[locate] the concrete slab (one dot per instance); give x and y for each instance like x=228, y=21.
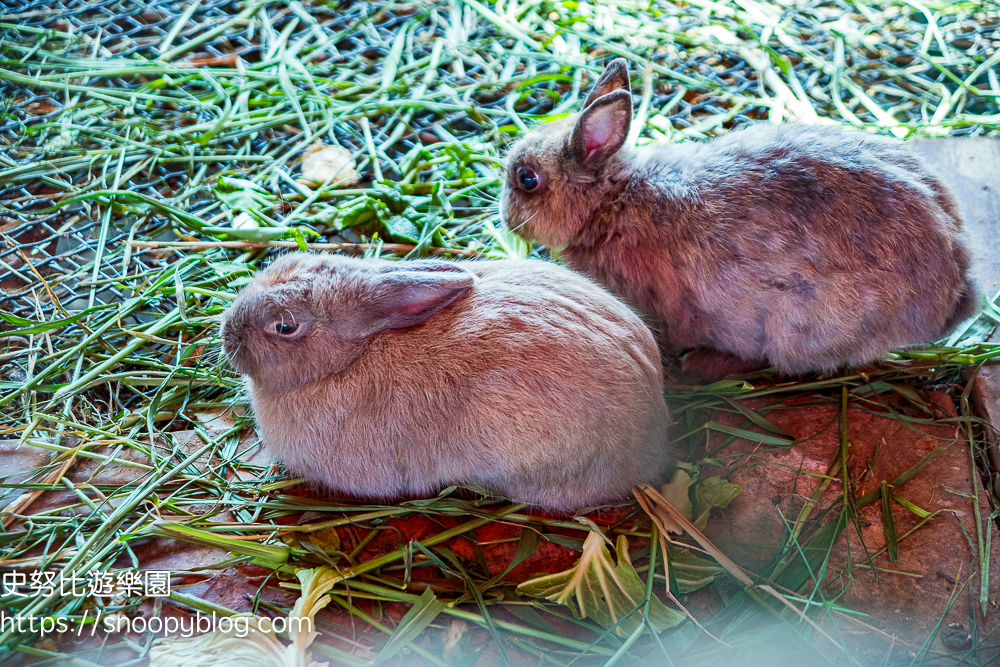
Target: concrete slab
x=971, y=166
x=18, y=464
x=907, y=598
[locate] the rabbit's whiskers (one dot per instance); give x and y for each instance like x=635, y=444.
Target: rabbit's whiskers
x=529, y=219
x=233, y=355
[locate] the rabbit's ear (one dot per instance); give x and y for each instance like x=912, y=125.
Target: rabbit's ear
x=408, y=295
x=602, y=127
x=615, y=77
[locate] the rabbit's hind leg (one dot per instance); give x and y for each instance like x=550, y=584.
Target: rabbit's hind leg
x=824, y=330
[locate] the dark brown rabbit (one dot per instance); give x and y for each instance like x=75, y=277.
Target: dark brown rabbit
x=386, y=379
x=802, y=247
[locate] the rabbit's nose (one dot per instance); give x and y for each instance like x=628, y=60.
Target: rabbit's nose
x=231, y=344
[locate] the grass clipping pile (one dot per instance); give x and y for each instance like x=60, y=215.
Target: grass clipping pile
x=157, y=155
x=261, y=647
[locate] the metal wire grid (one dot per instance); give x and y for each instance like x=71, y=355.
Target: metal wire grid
x=125, y=27
x=128, y=28
x=62, y=246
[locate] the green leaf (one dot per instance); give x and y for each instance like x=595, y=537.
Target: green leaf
x=402, y=229
x=808, y=557
x=506, y=245
x=690, y=571
x=395, y=202
x=290, y=90
x=270, y=556
x=531, y=618
x=916, y=511
x=391, y=63
x=718, y=492
x=750, y=435
x=911, y=395
x=525, y=549
x=877, y=387
x=300, y=238
x=888, y=524
x=357, y=214
x=597, y=588
x=421, y=614
x=242, y=195
x=38, y=327
x=14, y=319
x=262, y=234
x=227, y=269
x=180, y=215
x=709, y=493
x=756, y=418
x=571, y=543
x=725, y=387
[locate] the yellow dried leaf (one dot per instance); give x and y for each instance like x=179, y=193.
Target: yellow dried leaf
x=259, y=646
x=676, y=493
x=597, y=588
x=322, y=163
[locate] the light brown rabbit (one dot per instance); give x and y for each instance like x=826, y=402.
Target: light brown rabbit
x=802, y=247
x=384, y=379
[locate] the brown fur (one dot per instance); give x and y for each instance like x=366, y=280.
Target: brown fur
x=799, y=246
x=518, y=376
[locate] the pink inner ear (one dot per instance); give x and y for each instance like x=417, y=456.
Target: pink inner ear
x=416, y=301
x=411, y=296
x=600, y=127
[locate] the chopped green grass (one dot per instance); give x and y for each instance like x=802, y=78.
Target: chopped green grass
x=151, y=164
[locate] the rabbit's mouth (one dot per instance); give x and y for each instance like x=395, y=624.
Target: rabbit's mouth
x=516, y=218
x=235, y=347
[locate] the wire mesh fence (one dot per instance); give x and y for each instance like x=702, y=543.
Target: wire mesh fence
x=152, y=160
x=904, y=69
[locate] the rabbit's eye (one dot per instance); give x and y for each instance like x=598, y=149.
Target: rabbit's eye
x=527, y=178
x=285, y=328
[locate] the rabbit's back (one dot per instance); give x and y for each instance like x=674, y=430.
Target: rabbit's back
x=793, y=186
x=536, y=383
x=806, y=246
